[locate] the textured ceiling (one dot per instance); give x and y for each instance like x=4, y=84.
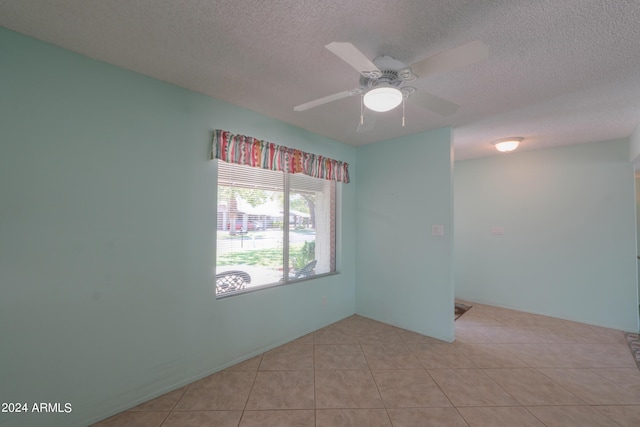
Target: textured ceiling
x=559, y=72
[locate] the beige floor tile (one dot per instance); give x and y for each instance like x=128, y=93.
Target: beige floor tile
x=380, y=337
x=477, y=316
x=334, y=335
x=352, y=324
x=604, y=335
x=540, y=355
x=506, y=368
x=426, y=417
x=585, y=334
x=368, y=331
x=248, y=365
x=166, y=402
x=500, y=417
x=521, y=319
x=296, y=356
x=282, y=390
x=134, y=419
x=571, y=416
x=591, y=387
x=626, y=416
x=358, y=325
x=346, y=389
x=607, y=355
x=628, y=378
x=226, y=390
x=203, y=419
x=530, y=387
x=352, y=418
x=414, y=338
x=470, y=334
x=489, y=355
x=573, y=355
x=280, y=418
x=471, y=387
x=409, y=389
x=440, y=356
x=554, y=335
x=390, y=356
x=306, y=339
x=339, y=356
x=513, y=335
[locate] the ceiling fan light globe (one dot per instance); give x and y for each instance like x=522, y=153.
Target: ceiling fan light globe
x=382, y=99
x=507, y=144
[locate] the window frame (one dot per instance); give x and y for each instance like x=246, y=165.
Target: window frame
x=334, y=225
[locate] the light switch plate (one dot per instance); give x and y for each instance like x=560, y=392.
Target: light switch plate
x=497, y=231
x=437, y=230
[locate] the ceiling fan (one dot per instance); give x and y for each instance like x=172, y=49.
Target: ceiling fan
x=384, y=82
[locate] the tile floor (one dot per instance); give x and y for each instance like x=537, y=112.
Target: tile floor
x=506, y=368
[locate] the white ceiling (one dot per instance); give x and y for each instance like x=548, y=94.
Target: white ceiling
x=559, y=71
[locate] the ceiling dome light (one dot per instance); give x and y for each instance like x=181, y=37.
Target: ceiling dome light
x=382, y=98
x=507, y=144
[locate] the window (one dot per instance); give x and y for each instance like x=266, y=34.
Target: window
x=272, y=228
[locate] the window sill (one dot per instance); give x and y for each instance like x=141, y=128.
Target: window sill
x=275, y=285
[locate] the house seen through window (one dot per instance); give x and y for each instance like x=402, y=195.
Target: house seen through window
x=272, y=228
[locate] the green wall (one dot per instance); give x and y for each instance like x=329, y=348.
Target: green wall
x=634, y=147
x=107, y=238
x=404, y=273
x=637, y=183
x=569, y=243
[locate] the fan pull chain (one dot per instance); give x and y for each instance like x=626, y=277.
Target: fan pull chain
x=362, y=109
x=402, y=111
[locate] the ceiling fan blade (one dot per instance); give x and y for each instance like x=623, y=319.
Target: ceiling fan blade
x=352, y=56
x=433, y=103
x=457, y=57
x=325, y=100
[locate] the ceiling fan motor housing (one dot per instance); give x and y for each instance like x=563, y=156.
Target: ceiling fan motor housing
x=393, y=73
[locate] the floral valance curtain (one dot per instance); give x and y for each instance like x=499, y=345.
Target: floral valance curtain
x=245, y=150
